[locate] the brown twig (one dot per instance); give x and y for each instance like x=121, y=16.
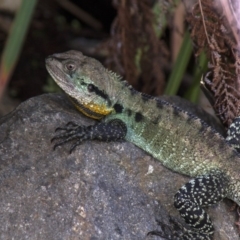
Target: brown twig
x=203, y=20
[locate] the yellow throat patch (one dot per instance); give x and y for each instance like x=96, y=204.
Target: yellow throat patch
x=92, y=110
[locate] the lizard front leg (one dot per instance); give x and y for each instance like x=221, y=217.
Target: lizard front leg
x=113, y=130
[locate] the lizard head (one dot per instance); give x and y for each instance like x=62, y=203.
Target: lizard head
x=84, y=79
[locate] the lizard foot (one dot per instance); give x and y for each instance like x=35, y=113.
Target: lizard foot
x=68, y=126
x=177, y=231
x=69, y=133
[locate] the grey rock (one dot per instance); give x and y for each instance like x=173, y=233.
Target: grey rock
x=101, y=191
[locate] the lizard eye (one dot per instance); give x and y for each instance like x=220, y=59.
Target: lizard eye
x=70, y=67
x=90, y=87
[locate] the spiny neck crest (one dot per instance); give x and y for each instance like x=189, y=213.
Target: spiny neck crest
x=114, y=75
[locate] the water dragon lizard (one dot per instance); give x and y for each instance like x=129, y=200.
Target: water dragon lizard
x=179, y=140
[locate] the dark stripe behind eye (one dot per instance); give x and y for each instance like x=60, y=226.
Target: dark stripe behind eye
x=99, y=92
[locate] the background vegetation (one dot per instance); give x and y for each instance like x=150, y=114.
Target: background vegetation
x=160, y=47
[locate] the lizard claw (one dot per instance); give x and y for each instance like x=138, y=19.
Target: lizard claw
x=71, y=124
x=74, y=146
x=59, y=129
x=69, y=133
x=56, y=145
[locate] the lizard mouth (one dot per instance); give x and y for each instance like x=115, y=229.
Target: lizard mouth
x=59, y=80
x=91, y=110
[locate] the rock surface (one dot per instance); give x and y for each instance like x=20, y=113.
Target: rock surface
x=100, y=191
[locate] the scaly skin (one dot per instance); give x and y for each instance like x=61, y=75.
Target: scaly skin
x=179, y=140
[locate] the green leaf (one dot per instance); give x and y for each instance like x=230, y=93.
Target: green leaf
x=15, y=41
x=180, y=66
